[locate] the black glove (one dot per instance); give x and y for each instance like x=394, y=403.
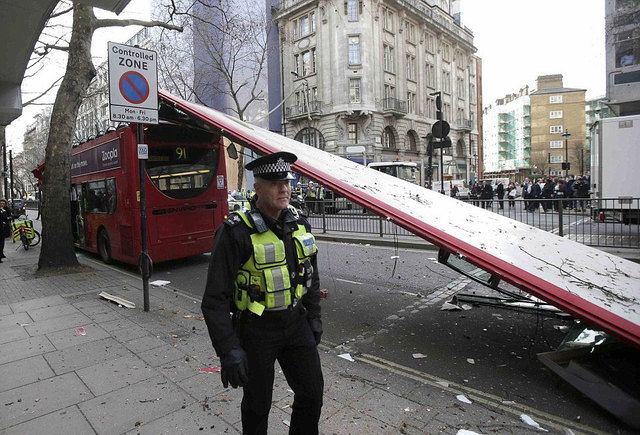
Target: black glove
x=235, y=368
x=316, y=327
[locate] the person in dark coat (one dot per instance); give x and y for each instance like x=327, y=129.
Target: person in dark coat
x=486, y=194
x=535, y=195
x=5, y=222
x=547, y=194
x=500, y=194
x=262, y=301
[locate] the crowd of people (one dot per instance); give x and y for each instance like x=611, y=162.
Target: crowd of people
x=540, y=192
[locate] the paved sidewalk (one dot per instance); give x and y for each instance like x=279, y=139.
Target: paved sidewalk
x=74, y=363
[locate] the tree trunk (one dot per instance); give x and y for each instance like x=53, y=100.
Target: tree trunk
x=240, y=163
x=57, y=239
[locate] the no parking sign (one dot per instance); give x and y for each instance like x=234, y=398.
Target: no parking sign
x=133, y=84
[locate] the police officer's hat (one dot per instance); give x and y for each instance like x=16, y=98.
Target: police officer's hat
x=275, y=166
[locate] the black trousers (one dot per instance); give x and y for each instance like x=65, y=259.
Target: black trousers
x=1, y=241
x=284, y=336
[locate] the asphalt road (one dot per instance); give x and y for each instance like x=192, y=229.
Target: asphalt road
x=387, y=304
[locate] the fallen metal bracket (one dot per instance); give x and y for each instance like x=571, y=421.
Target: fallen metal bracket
x=513, y=304
x=118, y=300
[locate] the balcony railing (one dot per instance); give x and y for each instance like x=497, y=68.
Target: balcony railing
x=296, y=112
x=464, y=124
x=394, y=106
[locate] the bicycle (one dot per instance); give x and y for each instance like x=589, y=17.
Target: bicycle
x=23, y=232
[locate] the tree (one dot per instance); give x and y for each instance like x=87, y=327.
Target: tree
x=229, y=57
x=57, y=240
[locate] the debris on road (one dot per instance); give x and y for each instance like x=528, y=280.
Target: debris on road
x=118, y=300
x=463, y=399
x=525, y=418
x=80, y=331
x=443, y=383
x=448, y=306
x=347, y=357
x=471, y=361
x=418, y=355
x=159, y=282
x=467, y=432
x=209, y=369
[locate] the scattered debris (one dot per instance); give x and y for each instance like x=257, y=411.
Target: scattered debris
x=200, y=318
x=286, y=423
x=466, y=432
x=80, y=331
x=508, y=402
x=174, y=335
x=159, y=282
x=466, y=307
x=463, y=399
x=443, y=383
x=347, y=357
x=118, y=300
x=448, y=306
x=393, y=257
x=209, y=369
x=323, y=293
x=188, y=316
x=418, y=355
x=561, y=328
x=471, y=361
x=149, y=400
x=525, y=418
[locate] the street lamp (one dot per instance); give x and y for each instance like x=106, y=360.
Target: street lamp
x=566, y=135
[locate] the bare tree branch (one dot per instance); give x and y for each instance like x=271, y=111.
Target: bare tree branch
x=112, y=22
x=33, y=100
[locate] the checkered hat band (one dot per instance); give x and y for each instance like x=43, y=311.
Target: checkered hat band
x=269, y=168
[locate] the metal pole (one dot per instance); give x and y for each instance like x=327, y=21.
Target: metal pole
x=144, y=261
x=11, y=174
x=5, y=180
x=566, y=135
x=441, y=153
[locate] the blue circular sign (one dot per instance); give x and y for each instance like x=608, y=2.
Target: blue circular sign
x=134, y=87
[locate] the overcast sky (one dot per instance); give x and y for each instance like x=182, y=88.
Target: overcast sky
x=517, y=40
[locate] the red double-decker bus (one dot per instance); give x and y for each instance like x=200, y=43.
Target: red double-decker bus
x=186, y=192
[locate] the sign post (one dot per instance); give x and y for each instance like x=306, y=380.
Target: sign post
x=133, y=97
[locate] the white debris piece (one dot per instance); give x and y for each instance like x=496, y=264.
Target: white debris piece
x=463, y=399
x=393, y=257
x=448, y=306
x=466, y=307
x=159, y=282
x=525, y=418
x=561, y=328
x=467, y=432
x=118, y=300
x=471, y=361
x=286, y=423
x=418, y=355
x=508, y=402
x=347, y=357
x=443, y=383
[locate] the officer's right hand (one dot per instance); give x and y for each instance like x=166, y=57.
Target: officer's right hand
x=235, y=368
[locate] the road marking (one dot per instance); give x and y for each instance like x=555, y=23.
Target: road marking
x=488, y=399
x=350, y=282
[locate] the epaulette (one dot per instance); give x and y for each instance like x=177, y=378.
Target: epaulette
x=233, y=220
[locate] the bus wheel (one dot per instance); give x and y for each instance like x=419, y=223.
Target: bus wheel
x=104, y=246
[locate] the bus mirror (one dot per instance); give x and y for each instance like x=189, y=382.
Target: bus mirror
x=232, y=152
x=461, y=265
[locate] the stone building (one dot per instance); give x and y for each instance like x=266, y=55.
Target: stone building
x=363, y=72
x=558, y=127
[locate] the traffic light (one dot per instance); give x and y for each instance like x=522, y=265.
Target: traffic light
x=566, y=166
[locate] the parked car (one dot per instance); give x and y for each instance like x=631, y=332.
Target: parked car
x=237, y=202
x=18, y=208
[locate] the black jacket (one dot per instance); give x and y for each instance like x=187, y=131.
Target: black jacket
x=231, y=249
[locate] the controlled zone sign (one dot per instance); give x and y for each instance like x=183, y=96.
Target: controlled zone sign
x=133, y=84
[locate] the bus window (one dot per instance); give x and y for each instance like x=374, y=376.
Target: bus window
x=182, y=171
x=101, y=196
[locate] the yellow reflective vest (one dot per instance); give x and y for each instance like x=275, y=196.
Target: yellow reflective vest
x=265, y=281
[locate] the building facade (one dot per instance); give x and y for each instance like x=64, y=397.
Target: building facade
x=507, y=136
x=558, y=127
x=364, y=73
x=623, y=56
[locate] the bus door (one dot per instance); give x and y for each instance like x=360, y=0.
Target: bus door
x=78, y=215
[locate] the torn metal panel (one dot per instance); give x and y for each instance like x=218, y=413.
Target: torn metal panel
x=117, y=299
x=600, y=288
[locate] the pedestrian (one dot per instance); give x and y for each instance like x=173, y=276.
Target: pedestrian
x=453, y=191
x=535, y=195
x=264, y=272
x=486, y=195
x=559, y=196
x=500, y=194
x=581, y=191
x=5, y=225
x=512, y=192
x=569, y=193
x=547, y=194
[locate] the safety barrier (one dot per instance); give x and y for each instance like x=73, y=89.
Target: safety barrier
x=605, y=222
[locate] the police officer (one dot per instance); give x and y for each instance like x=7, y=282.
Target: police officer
x=263, y=270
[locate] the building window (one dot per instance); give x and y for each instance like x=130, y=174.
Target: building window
x=411, y=32
x=387, y=19
x=555, y=114
x=411, y=67
x=627, y=47
x=555, y=99
x=461, y=88
x=411, y=102
x=354, y=90
x=311, y=137
x=446, y=52
x=446, y=81
x=354, y=50
x=388, y=140
x=472, y=93
x=446, y=111
x=304, y=25
x=460, y=116
x=352, y=9
x=431, y=108
x=431, y=43
x=305, y=62
x=430, y=72
x=556, y=158
x=388, y=55
x=555, y=129
x=389, y=92
x=352, y=133
x=555, y=144
x=410, y=141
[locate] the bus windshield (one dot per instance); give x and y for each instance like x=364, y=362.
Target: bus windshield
x=404, y=171
x=182, y=171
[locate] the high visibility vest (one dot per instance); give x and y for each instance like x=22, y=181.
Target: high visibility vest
x=265, y=281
